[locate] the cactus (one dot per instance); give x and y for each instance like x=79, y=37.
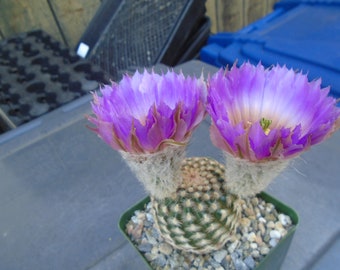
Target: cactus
x=158, y=172
x=201, y=216
x=149, y=118
x=246, y=178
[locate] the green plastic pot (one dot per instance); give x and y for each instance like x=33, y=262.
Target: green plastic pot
x=273, y=260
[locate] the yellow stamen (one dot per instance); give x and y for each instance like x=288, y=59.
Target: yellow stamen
x=265, y=123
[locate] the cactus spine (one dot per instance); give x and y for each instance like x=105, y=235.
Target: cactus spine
x=246, y=178
x=158, y=172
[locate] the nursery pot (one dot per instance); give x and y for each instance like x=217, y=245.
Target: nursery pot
x=273, y=260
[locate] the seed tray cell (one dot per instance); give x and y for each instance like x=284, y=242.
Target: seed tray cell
x=38, y=75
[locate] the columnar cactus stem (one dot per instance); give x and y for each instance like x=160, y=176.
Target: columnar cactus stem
x=245, y=178
x=158, y=172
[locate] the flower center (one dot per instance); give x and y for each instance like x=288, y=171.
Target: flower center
x=265, y=123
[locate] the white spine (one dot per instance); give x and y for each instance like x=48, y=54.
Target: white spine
x=245, y=178
x=158, y=172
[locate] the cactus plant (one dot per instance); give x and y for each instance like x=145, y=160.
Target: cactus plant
x=201, y=216
x=257, y=120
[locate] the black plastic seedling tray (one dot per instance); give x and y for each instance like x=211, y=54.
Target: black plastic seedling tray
x=38, y=74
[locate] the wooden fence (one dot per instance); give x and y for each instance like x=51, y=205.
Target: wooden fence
x=232, y=15
x=66, y=20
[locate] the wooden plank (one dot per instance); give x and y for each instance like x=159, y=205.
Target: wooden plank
x=253, y=10
x=22, y=16
x=225, y=15
x=212, y=13
x=232, y=14
x=270, y=5
x=73, y=17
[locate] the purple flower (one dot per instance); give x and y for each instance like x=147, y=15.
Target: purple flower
x=263, y=114
x=146, y=112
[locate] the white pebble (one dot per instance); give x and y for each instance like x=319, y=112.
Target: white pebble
x=251, y=237
x=220, y=255
x=262, y=220
x=253, y=246
x=149, y=206
x=249, y=261
x=285, y=220
x=262, y=228
x=255, y=253
x=160, y=260
x=269, y=208
x=273, y=242
x=233, y=246
x=151, y=256
x=154, y=250
x=135, y=220
x=274, y=234
x=149, y=217
x=264, y=250
x=165, y=248
x=270, y=224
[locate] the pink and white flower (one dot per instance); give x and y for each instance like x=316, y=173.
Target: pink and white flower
x=149, y=118
x=146, y=112
x=263, y=114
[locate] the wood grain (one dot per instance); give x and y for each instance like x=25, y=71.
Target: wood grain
x=233, y=15
x=73, y=17
x=213, y=14
x=22, y=16
x=254, y=10
x=67, y=20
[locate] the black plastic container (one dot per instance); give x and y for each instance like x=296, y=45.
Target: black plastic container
x=37, y=75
